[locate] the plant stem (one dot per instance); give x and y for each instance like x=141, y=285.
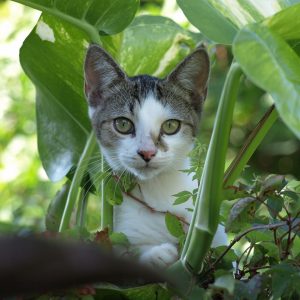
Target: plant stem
x=252, y=142
x=238, y=237
x=76, y=181
x=82, y=205
x=80, y=23
x=106, y=208
x=206, y=213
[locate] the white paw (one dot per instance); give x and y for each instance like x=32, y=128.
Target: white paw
x=160, y=256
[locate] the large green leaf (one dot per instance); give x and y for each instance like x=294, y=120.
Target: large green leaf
x=209, y=20
x=272, y=64
x=286, y=23
x=154, y=46
x=109, y=17
x=220, y=20
x=56, y=70
x=55, y=65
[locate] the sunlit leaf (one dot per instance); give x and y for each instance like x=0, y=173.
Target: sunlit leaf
x=209, y=20
x=282, y=25
x=109, y=17
x=271, y=64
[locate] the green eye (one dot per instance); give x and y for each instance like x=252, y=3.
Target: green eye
x=170, y=126
x=123, y=125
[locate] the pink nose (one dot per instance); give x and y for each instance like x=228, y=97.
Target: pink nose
x=147, y=155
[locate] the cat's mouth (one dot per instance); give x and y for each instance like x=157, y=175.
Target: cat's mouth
x=146, y=171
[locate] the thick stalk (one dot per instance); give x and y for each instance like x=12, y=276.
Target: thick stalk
x=254, y=139
x=206, y=215
x=76, y=181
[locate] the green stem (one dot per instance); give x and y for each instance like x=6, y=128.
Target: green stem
x=106, y=208
x=250, y=145
x=76, y=181
x=205, y=217
x=80, y=23
x=82, y=206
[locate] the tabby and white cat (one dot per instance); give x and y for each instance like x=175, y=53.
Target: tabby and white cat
x=147, y=126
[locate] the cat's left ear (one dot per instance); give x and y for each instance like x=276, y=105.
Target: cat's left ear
x=192, y=74
x=100, y=72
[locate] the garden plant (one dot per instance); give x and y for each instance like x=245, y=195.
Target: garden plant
x=262, y=260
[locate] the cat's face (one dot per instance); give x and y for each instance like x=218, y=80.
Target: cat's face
x=145, y=125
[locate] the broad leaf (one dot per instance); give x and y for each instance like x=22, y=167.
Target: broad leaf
x=209, y=20
x=109, y=17
x=220, y=20
x=271, y=64
x=56, y=70
x=154, y=46
x=286, y=23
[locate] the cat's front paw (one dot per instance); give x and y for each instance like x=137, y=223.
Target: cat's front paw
x=160, y=256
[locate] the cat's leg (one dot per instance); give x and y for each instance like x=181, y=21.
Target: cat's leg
x=160, y=256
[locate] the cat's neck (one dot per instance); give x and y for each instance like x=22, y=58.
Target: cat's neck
x=158, y=192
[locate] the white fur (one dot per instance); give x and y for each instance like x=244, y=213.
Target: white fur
x=157, y=182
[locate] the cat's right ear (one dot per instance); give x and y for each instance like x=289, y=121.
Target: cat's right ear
x=101, y=72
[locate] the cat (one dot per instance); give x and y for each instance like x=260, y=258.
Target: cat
x=147, y=126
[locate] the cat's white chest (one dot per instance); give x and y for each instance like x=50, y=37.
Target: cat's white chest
x=142, y=216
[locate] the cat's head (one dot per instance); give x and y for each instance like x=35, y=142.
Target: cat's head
x=145, y=125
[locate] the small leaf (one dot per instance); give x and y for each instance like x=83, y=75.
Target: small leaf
x=182, y=197
x=293, y=195
x=241, y=212
x=273, y=183
x=174, y=226
x=112, y=192
x=234, y=192
x=128, y=182
x=275, y=204
x=119, y=238
x=258, y=257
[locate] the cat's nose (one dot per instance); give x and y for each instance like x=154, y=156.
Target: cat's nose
x=147, y=155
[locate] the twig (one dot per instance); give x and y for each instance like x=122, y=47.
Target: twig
x=238, y=237
x=154, y=210
x=256, y=269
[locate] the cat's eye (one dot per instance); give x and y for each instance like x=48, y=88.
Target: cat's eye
x=171, y=126
x=123, y=125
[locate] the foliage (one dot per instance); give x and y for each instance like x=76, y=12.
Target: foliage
x=262, y=215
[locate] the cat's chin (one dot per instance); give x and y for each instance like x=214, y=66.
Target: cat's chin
x=145, y=173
